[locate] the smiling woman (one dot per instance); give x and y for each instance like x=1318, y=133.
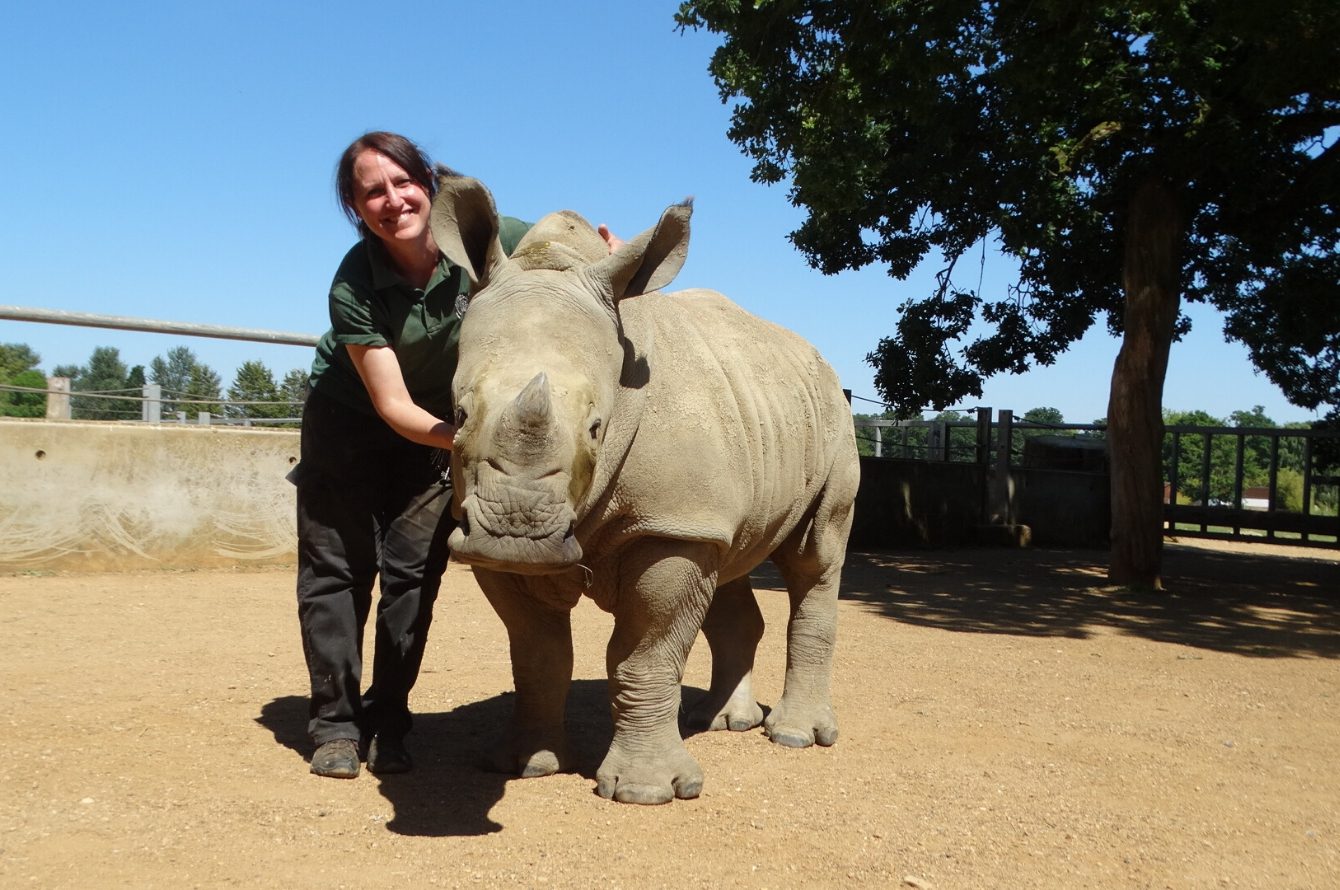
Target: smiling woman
x=372, y=495
x=386, y=186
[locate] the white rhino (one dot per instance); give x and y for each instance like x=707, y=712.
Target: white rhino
x=648, y=450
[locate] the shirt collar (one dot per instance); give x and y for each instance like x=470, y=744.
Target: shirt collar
x=384, y=273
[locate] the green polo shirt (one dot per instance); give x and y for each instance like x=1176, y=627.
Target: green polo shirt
x=371, y=305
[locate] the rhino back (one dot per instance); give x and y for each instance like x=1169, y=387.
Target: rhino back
x=740, y=424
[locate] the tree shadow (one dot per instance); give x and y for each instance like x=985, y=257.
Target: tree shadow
x=1248, y=604
x=452, y=790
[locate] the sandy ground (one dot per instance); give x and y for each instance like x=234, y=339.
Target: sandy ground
x=1005, y=723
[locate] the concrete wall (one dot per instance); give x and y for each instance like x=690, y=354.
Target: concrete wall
x=115, y=497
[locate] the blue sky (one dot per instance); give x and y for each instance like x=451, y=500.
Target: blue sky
x=174, y=161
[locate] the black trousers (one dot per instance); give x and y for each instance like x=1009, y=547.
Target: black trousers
x=370, y=504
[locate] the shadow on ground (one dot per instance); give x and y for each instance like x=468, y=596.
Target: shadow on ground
x=451, y=790
x=1257, y=605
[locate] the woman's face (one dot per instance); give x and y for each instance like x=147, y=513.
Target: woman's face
x=392, y=205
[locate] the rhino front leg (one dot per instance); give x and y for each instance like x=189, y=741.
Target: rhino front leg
x=663, y=596
x=540, y=638
x=733, y=628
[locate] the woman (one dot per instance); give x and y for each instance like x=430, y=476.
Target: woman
x=373, y=495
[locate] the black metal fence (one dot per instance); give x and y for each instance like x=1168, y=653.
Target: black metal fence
x=1242, y=483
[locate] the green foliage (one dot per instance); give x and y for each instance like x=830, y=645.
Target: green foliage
x=1044, y=416
x=182, y=378
x=914, y=439
x=25, y=404
x=172, y=373
x=1289, y=491
x=102, y=379
x=1191, y=481
x=255, y=383
x=866, y=436
x=186, y=384
x=926, y=130
x=293, y=390
x=203, y=392
x=15, y=358
x=18, y=367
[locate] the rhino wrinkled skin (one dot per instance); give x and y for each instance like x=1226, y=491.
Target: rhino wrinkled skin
x=649, y=450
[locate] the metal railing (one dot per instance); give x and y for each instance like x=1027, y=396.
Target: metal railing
x=1288, y=492
x=60, y=396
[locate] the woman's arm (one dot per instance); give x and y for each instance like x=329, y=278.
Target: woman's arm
x=380, y=370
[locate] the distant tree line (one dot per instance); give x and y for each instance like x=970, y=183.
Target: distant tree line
x=913, y=442
x=106, y=389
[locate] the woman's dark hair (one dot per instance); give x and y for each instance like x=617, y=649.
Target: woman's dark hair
x=409, y=156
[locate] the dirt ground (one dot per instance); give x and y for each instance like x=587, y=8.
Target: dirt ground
x=1005, y=722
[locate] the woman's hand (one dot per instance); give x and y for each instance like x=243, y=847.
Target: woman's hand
x=613, y=240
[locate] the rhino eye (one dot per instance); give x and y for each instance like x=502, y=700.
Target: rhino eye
x=595, y=428
x=461, y=417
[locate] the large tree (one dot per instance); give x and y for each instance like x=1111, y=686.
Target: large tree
x=203, y=392
x=18, y=368
x=293, y=390
x=15, y=358
x=103, y=379
x=18, y=403
x=182, y=379
x=254, y=393
x=1126, y=155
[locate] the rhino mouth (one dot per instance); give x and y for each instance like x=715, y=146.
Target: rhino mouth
x=516, y=526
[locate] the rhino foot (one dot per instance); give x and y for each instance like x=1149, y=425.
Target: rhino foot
x=643, y=781
x=528, y=761
x=706, y=716
x=795, y=726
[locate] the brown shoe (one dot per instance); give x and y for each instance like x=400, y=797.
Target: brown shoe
x=337, y=758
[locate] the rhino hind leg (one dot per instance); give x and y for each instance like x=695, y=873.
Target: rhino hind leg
x=804, y=715
x=811, y=562
x=733, y=628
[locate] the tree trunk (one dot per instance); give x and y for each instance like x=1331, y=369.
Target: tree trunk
x=1150, y=276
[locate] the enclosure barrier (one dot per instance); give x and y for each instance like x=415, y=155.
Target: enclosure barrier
x=1053, y=479
x=95, y=496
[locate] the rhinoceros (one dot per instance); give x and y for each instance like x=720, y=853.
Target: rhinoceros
x=648, y=450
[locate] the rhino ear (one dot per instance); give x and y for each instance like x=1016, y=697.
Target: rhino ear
x=651, y=260
x=464, y=223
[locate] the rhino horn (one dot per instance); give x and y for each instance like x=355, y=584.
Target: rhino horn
x=532, y=406
x=527, y=431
